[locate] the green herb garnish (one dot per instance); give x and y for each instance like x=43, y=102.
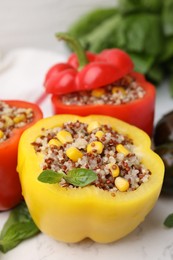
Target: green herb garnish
x=18, y=227
x=51, y=177
x=169, y=221
x=79, y=177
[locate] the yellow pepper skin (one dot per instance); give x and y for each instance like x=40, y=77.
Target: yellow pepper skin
x=70, y=215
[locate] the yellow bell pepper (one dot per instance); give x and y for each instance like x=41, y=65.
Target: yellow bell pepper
x=72, y=214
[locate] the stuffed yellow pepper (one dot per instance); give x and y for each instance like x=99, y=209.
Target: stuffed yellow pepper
x=93, y=176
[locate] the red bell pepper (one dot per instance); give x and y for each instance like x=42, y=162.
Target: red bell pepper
x=10, y=188
x=85, y=71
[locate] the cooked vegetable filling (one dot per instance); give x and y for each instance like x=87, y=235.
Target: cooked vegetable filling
x=12, y=117
x=122, y=91
x=96, y=147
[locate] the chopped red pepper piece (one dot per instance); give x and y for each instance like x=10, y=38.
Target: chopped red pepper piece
x=85, y=71
x=10, y=188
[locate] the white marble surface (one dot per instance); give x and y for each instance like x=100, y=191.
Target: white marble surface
x=22, y=78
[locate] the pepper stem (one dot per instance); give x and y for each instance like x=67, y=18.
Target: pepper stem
x=76, y=46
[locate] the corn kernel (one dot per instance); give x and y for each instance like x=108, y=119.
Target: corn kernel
x=19, y=118
x=28, y=111
x=95, y=147
x=1, y=134
x=99, y=134
x=121, y=184
x=64, y=136
x=74, y=154
x=92, y=126
x=98, y=92
x=118, y=89
x=121, y=149
x=8, y=120
x=114, y=169
x=54, y=142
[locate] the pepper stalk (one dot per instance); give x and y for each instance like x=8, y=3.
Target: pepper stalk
x=76, y=46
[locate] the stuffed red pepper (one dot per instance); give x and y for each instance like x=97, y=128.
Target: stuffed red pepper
x=103, y=83
x=15, y=117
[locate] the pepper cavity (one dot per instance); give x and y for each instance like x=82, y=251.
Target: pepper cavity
x=13, y=117
x=93, y=146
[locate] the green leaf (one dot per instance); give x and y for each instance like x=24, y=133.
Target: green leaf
x=18, y=214
x=81, y=177
x=49, y=176
x=167, y=51
x=167, y=17
x=90, y=20
x=169, y=221
x=128, y=6
x=16, y=234
x=18, y=227
x=155, y=74
x=104, y=35
x=137, y=30
x=142, y=62
x=131, y=33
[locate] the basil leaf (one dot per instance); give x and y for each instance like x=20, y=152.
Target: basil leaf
x=136, y=6
x=155, y=74
x=18, y=214
x=168, y=50
x=142, y=62
x=16, y=234
x=80, y=177
x=51, y=177
x=17, y=228
x=105, y=34
x=90, y=20
x=167, y=17
x=137, y=31
x=169, y=221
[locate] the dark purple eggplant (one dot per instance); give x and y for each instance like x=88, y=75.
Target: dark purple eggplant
x=165, y=151
x=163, y=132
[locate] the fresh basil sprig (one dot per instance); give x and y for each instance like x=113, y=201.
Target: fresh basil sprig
x=18, y=227
x=169, y=221
x=79, y=177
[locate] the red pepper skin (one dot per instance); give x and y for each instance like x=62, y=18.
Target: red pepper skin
x=10, y=188
x=119, y=58
x=102, y=69
x=61, y=80
x=139, y=112
x=73, y=59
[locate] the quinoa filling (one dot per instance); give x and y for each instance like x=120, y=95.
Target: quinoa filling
x=122, y=91
x=92, y=146
x=13, y=117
